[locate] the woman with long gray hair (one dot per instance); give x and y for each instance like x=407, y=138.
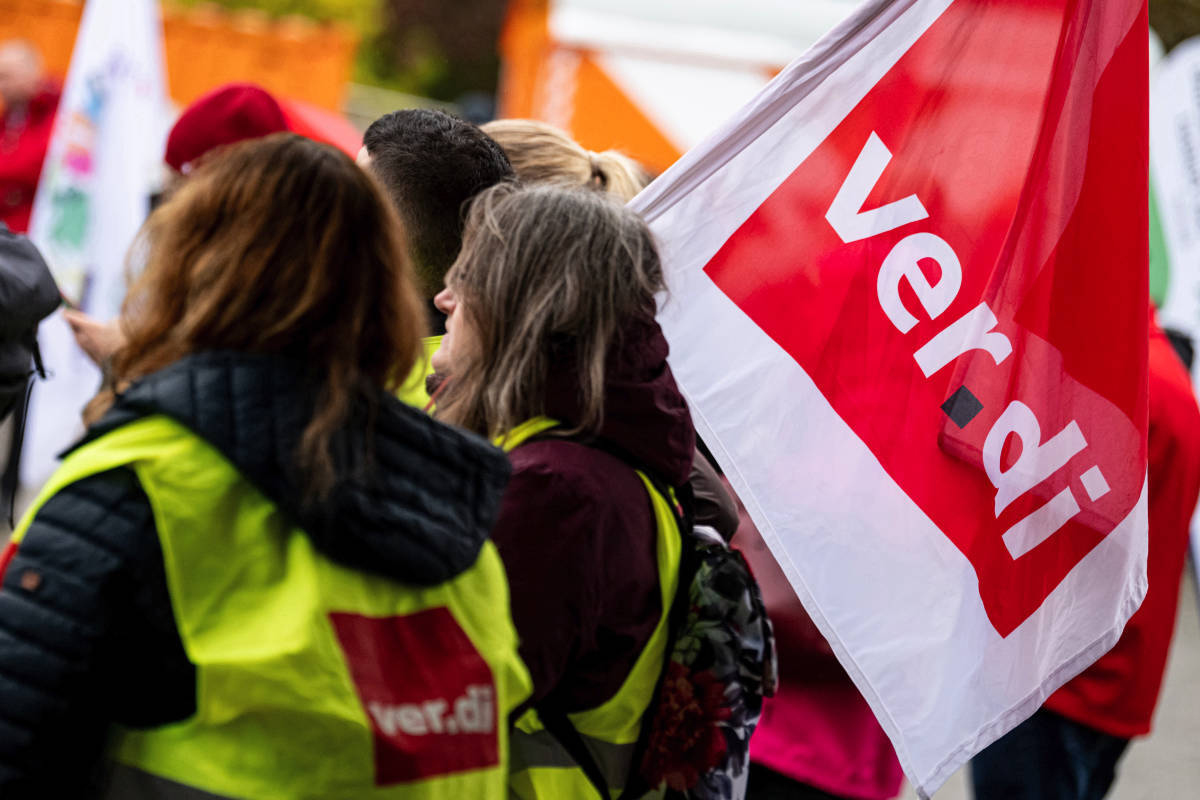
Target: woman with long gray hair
x=554, y=353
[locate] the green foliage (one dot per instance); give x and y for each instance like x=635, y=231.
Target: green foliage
x=434, y=48
x=362, y=14
x=365, y=16
x=1175, y=20
x=440, y=49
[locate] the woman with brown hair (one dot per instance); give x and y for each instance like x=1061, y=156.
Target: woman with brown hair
x=260, y=575
x=554, y=352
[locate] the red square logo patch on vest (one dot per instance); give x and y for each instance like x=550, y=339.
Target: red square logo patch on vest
x=427, y=691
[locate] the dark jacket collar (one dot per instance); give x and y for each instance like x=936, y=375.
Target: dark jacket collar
x=414, y=501
x=646, y=418
x=28, y=293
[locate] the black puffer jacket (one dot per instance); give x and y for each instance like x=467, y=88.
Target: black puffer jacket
x=87, y=636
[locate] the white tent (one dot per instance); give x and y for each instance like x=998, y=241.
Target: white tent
x=653, y=77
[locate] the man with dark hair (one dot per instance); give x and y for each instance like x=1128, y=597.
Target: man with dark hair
x=432, y=164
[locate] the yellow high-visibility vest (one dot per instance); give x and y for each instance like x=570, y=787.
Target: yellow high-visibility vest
x=313, y=680
x=542, y=769
x=413, y=392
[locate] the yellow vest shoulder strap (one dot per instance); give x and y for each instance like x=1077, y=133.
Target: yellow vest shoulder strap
x=542, y=766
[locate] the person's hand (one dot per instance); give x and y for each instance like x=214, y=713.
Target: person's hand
x=98, y=339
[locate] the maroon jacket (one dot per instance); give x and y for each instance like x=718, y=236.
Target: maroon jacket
x=24, y=137
x=576, y=531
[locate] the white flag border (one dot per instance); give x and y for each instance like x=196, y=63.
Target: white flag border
x=787, y=89
x=1125, y=537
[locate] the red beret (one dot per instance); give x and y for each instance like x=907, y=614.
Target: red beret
x=232, y=113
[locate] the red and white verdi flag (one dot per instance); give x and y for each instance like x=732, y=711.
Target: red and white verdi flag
x=908, y=306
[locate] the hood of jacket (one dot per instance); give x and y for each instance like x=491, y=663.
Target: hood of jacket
x=413, y=500
x=646, y=417
x=28, y=292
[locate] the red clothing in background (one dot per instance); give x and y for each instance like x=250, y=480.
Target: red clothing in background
x=817, y=729
x=24, y=137
x=1118, y=693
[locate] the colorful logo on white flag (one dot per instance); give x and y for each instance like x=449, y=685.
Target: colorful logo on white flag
x=106, y=146
x=105, y=154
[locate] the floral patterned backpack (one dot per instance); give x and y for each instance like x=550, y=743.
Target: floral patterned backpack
x=721, y=664
x=695, y=741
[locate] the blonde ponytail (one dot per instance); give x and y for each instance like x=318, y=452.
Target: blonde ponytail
x=541, y=153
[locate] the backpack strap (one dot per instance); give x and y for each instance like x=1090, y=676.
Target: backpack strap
x=555, y=719
x=681, y=503
x=12, y=470
x=636, y=785
x=559, y=725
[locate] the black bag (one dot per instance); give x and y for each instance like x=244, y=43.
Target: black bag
x=720, y=666
x=28, y=294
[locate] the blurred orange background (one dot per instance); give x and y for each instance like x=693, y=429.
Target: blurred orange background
x=207, y=46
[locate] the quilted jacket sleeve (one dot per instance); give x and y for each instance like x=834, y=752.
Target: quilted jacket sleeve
x=87, y=638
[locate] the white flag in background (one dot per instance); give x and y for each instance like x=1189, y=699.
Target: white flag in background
x=1175, y=162
x=92, y=199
